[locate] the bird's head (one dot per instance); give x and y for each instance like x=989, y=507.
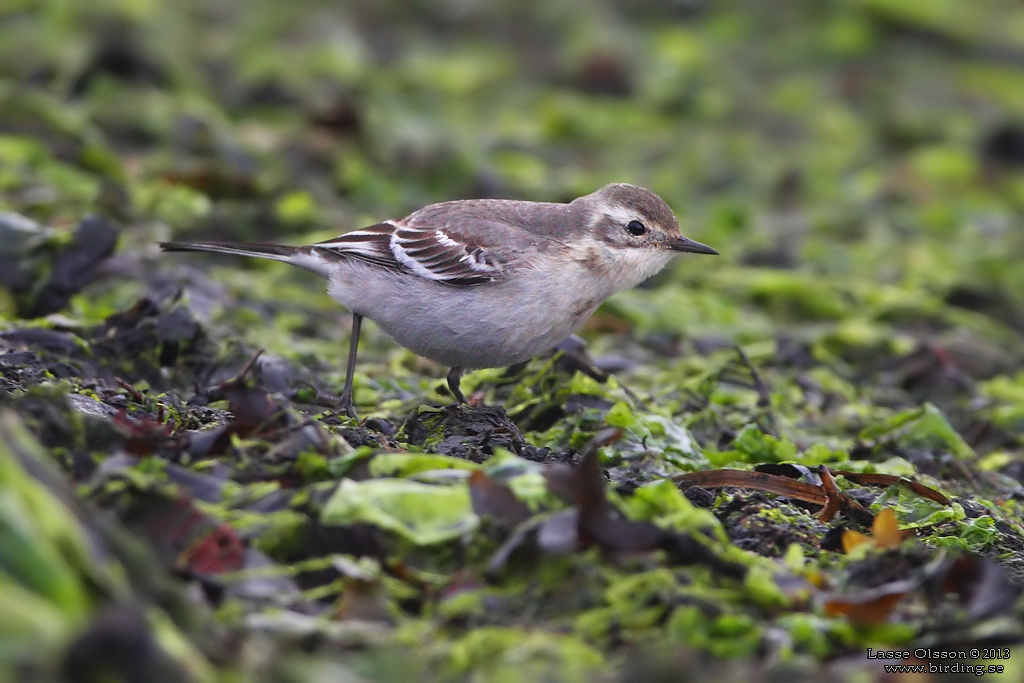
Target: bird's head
x=631, y=230
x=631, y=217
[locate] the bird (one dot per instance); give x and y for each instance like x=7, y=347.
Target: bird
x=484, y=283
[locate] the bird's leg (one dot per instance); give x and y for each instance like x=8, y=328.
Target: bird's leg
x=346, y=394
x=454, y=378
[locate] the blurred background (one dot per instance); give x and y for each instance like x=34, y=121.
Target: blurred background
x=864, y=158
x=859, y=164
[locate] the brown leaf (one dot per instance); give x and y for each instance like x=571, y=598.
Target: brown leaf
x=870, y=608
x=759, y=481
x=496, y=500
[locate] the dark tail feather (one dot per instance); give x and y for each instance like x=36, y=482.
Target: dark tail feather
x=277, y=252
x=303, y=257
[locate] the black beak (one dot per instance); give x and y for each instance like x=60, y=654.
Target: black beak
x=686, y=244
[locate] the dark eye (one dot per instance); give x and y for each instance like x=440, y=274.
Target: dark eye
x=636, y=228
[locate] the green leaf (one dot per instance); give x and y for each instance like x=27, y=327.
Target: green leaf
x=924, y=427
x=42, y=547
x=511, y=654
x=664, y=504
x=424, y=514
x=408, y=464
x=759, y=447
x=763, y=589
x=620, y=416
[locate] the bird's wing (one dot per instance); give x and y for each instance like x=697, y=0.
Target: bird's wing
x=435, y=250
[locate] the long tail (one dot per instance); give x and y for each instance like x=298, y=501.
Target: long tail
x=303, y=257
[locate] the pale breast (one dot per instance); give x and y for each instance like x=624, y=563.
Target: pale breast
x=490, y=325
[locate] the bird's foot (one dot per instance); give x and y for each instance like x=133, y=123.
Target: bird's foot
x=345, y=405
x=454, y=380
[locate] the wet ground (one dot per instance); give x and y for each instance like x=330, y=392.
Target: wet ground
x=756, y=465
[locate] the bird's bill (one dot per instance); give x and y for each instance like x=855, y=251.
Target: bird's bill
x=686, y=244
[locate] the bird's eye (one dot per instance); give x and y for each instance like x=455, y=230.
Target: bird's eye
x=636, y=228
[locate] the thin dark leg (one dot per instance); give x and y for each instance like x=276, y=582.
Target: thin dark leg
x=454, y=378
x=346, y=393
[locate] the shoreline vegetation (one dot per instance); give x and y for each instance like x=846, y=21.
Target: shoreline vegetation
x=801, y=458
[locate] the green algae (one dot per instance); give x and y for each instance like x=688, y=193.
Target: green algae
x=854, y=163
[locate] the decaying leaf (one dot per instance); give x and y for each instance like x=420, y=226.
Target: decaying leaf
x=885, y=533
x=496, y=500
x=869, y=607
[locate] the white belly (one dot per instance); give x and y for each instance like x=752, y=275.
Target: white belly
x=483, y=326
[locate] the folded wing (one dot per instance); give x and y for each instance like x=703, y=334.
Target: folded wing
x=430, y=252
